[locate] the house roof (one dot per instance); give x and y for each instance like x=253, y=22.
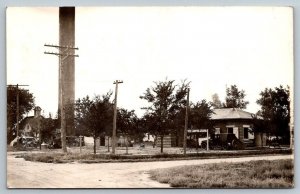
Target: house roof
x=230, y=113
x=25, y=121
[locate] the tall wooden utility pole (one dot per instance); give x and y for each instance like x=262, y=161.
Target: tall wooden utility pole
x=186, y=121
x=115, y=118
x=18, y=109
x=64, y=53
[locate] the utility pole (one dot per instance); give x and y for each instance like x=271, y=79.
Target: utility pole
x=115, y=118
x=186, y=122
x=18, y=109
x=63, y=53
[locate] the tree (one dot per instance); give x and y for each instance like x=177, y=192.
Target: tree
x=178, y=125
x=126, y=124
x=82, y=108
x=235, y=98
x=26, y=104
x=95, y=115
x=259, y=124
x=166, y=100
x=137, y=133
x=275, y=108
x=149, y=122
x=200, y=115
x=216, y=102
x=48, y=127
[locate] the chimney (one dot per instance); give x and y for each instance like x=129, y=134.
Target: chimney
x=37, y=111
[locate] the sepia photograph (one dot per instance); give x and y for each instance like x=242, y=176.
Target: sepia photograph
x=150, y=97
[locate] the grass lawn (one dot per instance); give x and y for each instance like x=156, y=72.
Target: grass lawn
x=254, y=174
x=135, y=154
x=56, y=156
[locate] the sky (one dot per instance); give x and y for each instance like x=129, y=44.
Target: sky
x=212, y=47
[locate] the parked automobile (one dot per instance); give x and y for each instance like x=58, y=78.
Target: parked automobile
x=27, y=141
x=274, y=141
x=192, y=143
x=231, y=142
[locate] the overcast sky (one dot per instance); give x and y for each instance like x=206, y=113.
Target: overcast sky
x=212, y=47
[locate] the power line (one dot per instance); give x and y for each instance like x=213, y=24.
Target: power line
x=64, y=51
x=56, y=46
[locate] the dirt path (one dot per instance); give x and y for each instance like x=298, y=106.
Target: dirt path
x=25, y=174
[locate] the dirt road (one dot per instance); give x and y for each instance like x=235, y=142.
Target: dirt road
x=25, y=174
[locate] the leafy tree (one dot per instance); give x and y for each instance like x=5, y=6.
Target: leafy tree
x=259, y=124
x=82, y=108
x=200, y=115
x=275, y=109
x=216, y=102
x=94, y=116
x=127, y=124
x=26, y=104
x=235, y=98
x=48, y=127
x=150, y=123
x=166, y=100
x=138, y=130
x=178, y=124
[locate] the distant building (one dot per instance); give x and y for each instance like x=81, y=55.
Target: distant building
x=227, y=121
x=238, y=122
x=29, y=126
x=233, y=121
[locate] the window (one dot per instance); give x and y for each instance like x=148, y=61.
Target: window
x=230, y=130
x=246, y=133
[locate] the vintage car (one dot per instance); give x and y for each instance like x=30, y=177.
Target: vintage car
x=231, y=142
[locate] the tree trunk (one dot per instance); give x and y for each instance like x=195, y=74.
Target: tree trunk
x=126, y=143
x=94, y=144
x=99, y=141
x=108, y=144
x=161, y=144
x=197, y=140
x=154, y=141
